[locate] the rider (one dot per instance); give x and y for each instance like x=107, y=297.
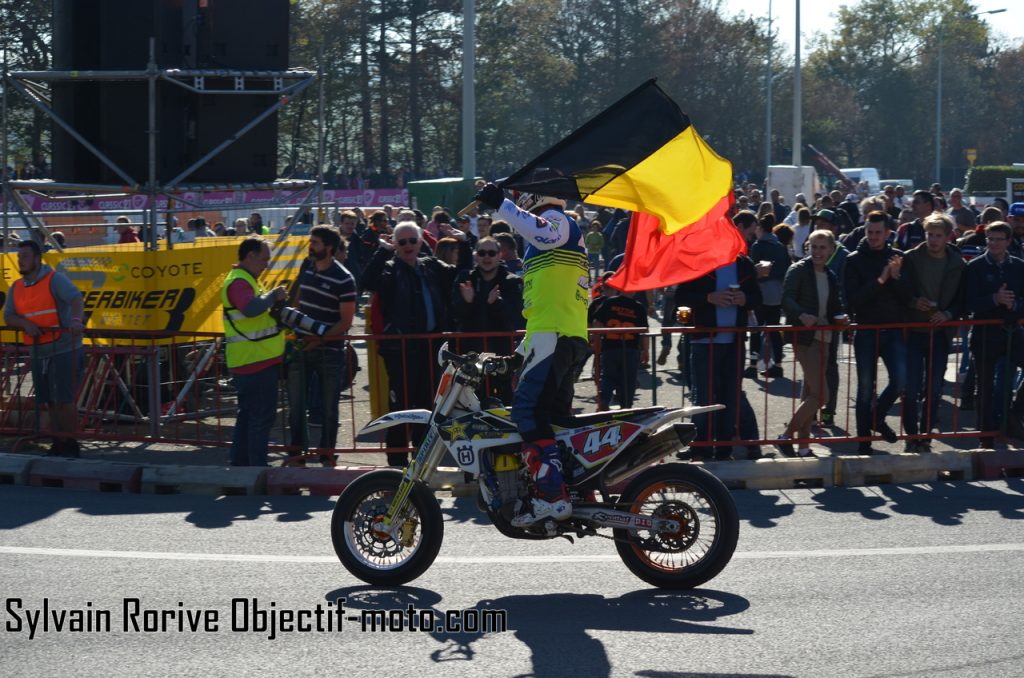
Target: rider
x=556, y=283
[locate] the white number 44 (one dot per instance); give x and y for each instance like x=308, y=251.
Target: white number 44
x=596, y=441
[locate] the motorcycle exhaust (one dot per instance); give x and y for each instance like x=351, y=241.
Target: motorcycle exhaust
x=654, y=449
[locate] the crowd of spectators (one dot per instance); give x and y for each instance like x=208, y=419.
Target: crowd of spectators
x=902, y=268
x=877, y=261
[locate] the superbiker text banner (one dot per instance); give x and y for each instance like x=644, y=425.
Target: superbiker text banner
x=127, y=288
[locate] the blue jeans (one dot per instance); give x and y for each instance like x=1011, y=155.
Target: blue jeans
x=927, y=353
x=868, y=346
x=618, y=376
x=257, y=408
x=327, y=366
x=716, y=373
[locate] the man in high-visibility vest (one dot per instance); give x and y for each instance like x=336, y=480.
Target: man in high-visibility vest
x=47, y=307
x=255, y=348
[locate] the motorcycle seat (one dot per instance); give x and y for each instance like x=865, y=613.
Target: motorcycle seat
x=594, y=418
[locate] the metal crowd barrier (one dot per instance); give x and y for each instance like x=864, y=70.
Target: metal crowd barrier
x=174, y=387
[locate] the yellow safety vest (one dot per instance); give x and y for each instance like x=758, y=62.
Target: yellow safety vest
x=248, y=340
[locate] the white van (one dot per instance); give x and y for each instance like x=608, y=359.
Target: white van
x=907, y=184
x=868, y=174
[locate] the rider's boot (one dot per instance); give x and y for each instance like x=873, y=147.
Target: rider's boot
x=551, y=500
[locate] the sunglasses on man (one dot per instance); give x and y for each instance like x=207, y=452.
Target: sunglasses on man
x=487, y=253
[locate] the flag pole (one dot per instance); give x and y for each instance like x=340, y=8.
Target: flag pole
x=465, y=210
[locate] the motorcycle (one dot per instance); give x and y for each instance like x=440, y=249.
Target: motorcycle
x=674, y=525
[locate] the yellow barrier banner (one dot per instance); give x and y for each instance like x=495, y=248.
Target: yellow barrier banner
x=127, y=288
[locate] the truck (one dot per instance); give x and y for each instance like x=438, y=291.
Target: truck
x=792, y=179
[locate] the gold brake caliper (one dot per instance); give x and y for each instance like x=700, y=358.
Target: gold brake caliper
x=407, y=533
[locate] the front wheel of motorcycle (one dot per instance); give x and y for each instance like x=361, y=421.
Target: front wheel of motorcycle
x=707, y=519
x=372, y=555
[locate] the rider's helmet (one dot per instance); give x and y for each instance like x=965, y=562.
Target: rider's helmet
x=531, y=202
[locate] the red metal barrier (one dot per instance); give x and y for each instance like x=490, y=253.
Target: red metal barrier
x=148, y=390
x=767, y=411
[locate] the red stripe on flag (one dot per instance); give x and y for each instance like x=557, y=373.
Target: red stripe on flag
x=654, y=259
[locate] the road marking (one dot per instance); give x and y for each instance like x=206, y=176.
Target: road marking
x=484, y=560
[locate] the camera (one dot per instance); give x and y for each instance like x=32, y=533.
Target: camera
x=295, y=319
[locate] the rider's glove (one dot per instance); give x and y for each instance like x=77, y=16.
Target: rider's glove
x=499, y=365
x=491, y=196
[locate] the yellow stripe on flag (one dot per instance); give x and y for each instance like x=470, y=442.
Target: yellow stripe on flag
x=679, y=183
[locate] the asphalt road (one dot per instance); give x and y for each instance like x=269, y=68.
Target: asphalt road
x=885, y=581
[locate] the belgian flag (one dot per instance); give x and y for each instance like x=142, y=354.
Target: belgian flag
x=643, y=155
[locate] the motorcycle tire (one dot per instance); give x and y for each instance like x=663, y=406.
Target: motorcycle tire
x=375, y=557
x=702, y=547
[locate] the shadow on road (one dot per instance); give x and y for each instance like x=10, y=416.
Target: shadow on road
x=851, y=500
x=762, y=509
x=554, y=626
x=947, y=504
x=28, y=505
x=944, y=503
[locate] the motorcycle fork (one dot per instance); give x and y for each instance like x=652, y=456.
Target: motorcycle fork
x=423, y=466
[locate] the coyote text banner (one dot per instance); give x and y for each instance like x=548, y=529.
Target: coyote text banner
x=126, y=288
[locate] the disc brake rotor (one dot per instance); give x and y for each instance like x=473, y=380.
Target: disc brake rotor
x=374, y=542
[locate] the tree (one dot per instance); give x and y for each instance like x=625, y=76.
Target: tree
x=25, y=34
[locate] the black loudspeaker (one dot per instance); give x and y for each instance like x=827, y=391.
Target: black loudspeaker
x=236, y=34
x=204, y=34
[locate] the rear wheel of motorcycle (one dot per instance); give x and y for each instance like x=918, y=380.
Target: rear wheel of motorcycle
x=702, y=546
x=374, y=556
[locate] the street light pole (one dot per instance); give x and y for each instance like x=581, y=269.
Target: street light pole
x=768, y=87
x=938, y=91
x=797, y=95
x=468, y=90
x=938, y=110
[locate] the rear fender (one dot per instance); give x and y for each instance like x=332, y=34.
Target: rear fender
x=374, y=431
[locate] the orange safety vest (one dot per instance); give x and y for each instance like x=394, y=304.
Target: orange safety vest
x=37, y=303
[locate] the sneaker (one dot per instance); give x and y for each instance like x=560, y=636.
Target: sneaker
x=663, y=355
x=924, y=446
x=785, y=448
x=538, y=509
x=913, y=447
x=774, y=372
x=884, y=430
x=806, y=453
x=865, y=449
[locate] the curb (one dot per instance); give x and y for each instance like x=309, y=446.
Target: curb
x=905, y=468
x=14, y=468
x=85, y=474
x=998, y=464
x=762, y=474
x=204, y=480
x=321, y=482
x=774, y=474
